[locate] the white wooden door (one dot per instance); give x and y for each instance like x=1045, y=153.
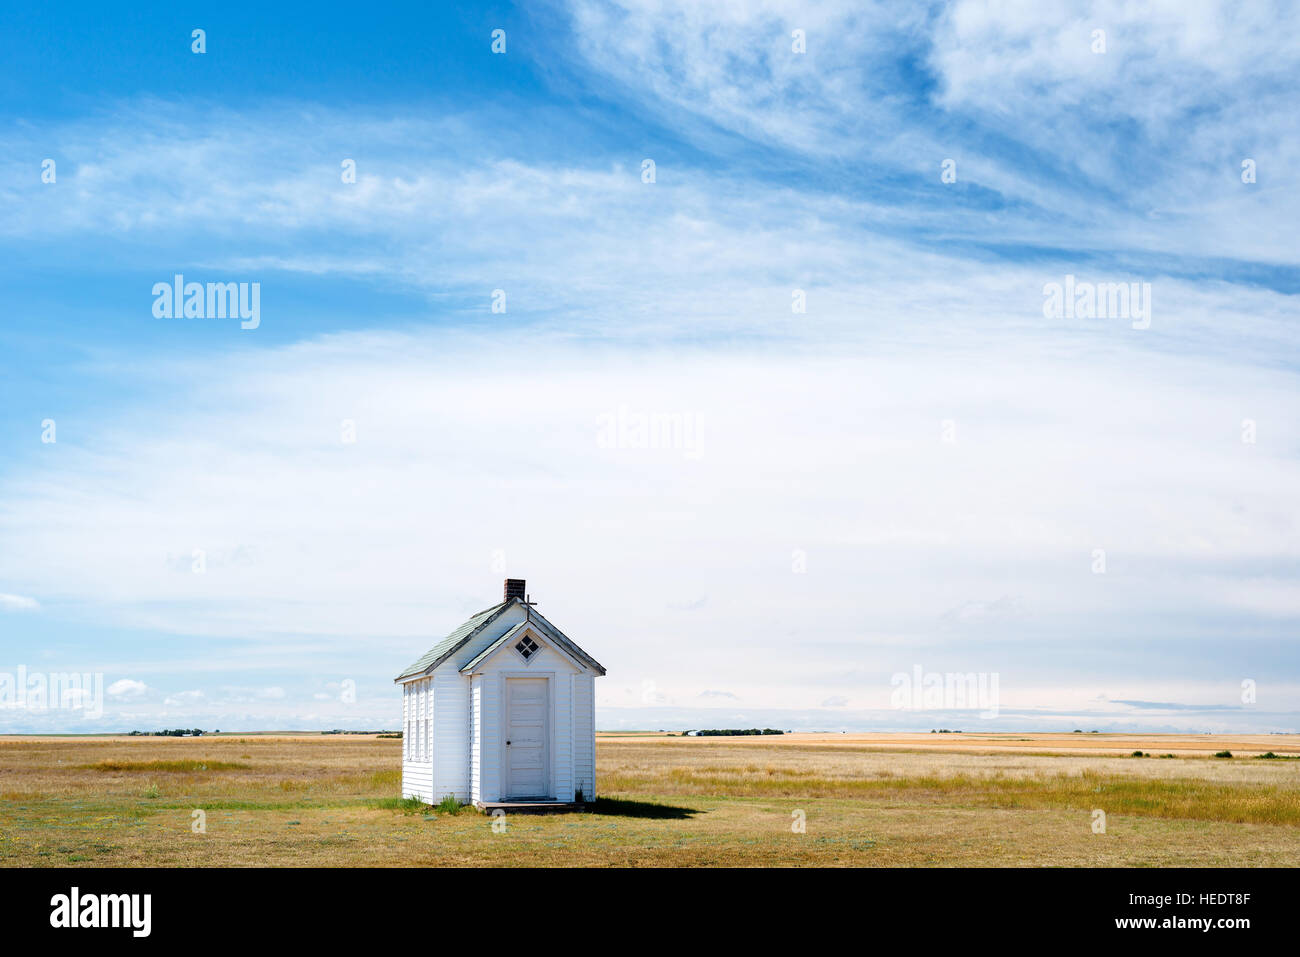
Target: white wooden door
x=527, y=767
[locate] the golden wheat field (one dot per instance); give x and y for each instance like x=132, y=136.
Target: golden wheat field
x=792, y=800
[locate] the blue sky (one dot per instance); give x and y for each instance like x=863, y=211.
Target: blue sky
x=918, y=469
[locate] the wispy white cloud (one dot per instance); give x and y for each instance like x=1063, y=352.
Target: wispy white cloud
x=127, y=688
x=18, y=603
x=734, y=66
x=1136, y=148
x=184, y=699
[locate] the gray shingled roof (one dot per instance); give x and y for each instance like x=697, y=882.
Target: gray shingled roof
x=445, y=648
x=466, y=632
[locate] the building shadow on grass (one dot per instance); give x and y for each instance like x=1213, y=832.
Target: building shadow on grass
x=618, y=807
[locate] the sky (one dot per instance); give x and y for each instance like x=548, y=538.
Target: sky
x=727, y=326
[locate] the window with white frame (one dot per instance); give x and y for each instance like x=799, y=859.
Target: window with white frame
x=419, y=721
x=424, y=721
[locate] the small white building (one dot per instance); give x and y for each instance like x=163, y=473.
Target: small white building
x=502, y=709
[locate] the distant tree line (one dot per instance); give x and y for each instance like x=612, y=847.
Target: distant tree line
x=382, y=734
x=730, y=732
x=174, y=733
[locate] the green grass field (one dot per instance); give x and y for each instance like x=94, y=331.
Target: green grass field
x=857, y=800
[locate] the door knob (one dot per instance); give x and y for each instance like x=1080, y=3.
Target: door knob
x=507, y=744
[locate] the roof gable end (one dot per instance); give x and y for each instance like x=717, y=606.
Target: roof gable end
x=511, y=637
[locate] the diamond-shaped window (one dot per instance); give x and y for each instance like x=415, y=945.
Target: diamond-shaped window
x=526, y=647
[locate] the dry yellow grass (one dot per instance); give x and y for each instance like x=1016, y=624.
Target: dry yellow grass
x=867, y=800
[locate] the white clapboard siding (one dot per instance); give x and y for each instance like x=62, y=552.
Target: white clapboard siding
x=475, y=739
x=450, y=728
x=561, y=736
x=584, y=735
x=417, y=781
x=490, y=738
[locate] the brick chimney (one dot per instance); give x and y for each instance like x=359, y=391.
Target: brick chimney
x=514, y=588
